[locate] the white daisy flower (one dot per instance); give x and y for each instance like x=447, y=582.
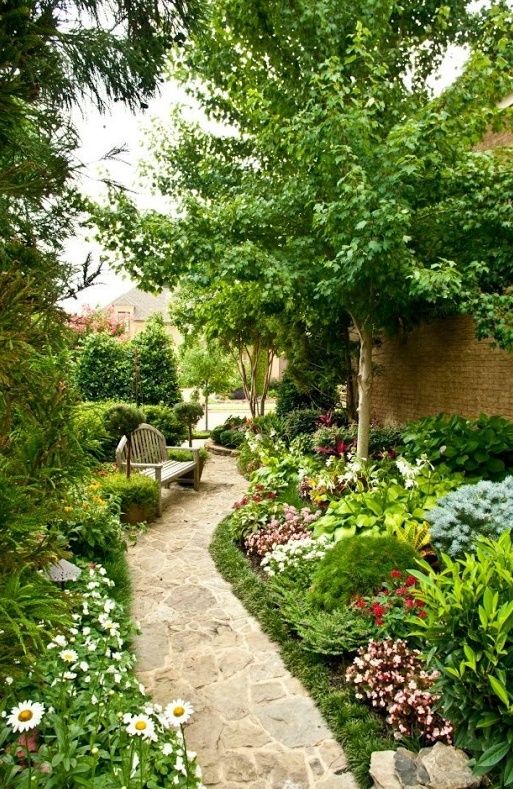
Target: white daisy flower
x=167, y=749
x=178, y=712
x=26, y=716
x=141, y=726
x=68, y=655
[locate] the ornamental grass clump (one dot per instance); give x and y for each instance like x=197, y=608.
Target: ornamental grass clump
x=393, y=678
x=484, y=509
x=294, y=524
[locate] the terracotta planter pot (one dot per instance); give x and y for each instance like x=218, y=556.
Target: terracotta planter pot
x=137, y=514
x=188, y=479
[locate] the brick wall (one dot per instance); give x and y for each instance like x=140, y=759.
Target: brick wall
x=441, y=367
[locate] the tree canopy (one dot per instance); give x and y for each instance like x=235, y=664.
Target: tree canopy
x=339, y=180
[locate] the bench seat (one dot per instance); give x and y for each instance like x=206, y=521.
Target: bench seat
x=150, y=457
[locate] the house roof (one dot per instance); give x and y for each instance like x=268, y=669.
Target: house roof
x=145, y=304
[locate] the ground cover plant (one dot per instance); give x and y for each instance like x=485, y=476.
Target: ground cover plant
x=358, y=606
x=81, y=718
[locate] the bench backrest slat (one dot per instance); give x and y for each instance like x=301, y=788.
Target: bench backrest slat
x=148, y=446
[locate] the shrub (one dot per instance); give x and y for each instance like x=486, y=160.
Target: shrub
x=104, y=369
x=231, y=439
x=484, y=509
x=300, y=421
x=234, y=424
x=393, y=678
x=189, y=414
x=186, y=454
x=358, y=565
x=469, y=607
x=89, y=425
x=90, y=522
x=333, y=441
x=165, y=419
x=290, y=397
x=290, y=524
x=138, y=496
x=482, y=448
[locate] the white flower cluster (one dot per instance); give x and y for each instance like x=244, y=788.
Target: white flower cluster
x=410, y=471
x=295, y=552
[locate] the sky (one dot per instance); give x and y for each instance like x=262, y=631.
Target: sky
x=119, y=127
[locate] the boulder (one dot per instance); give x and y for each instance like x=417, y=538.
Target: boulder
x=439, y=767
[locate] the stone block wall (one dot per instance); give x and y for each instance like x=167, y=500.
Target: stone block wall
x=441, y=367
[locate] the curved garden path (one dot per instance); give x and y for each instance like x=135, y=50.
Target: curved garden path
x=254, y=724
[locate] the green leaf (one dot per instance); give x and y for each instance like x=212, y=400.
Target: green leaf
x=499, y=689
x=493, y=755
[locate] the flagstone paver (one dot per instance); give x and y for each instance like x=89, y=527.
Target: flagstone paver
x=254, y=725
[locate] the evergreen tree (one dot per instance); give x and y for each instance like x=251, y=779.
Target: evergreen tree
x=155, y=375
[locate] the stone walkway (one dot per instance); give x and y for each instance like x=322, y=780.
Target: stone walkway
x=254, y=724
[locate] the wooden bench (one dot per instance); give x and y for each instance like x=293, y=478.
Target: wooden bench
x=150, y=455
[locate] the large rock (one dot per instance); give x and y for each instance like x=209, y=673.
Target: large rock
x=439, y=767
x=447, y=768
x=382, y=770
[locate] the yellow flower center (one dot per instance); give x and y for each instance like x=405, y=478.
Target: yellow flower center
x=25, y=715
x=178, y=712
x=141, y=725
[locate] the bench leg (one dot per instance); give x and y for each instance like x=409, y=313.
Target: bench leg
x=158, y=478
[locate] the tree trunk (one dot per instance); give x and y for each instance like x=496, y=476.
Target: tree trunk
x=364, y=390
x=190, y=434
x=128, y=456
x=206, y=412
x=351, y=403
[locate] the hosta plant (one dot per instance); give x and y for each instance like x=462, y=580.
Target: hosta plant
x=469, y=632
x=393, y=678
x=484, y=509
x=390, y=506
x=480, y=447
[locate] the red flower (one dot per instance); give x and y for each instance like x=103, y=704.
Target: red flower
x=360, y=602
x=378, y=622
x=378, y=610
x=422, y=614
x=420, y=603
x=395, y=574
x=409, y=602
x=410, y=581
x=402, y=591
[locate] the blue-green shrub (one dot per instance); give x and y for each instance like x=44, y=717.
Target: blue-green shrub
x=484, y=509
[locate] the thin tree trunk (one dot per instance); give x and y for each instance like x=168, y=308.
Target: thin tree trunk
x=351, y=404
x=190, y=434
x=206, y=412
x=364, y=389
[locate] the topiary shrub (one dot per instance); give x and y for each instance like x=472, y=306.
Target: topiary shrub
x=231, y=433
x=358, y=565
x=189, y=415
x=103, y=370
x=165, y=419
x=138, y=496
x=484, y=509
x=155, y=372
x=232, y=439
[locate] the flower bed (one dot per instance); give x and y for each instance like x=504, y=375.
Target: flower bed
x=81, y=718
x=345, y=576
